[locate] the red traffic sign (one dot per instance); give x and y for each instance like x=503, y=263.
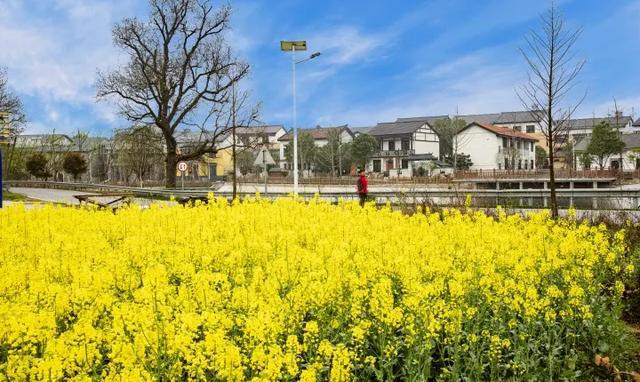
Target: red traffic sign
x=182, y=166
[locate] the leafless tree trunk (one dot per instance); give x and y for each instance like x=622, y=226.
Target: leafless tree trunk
x=618, y=114
x=552, y=75
x=180, y=74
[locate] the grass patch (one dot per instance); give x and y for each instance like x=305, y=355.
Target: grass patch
x=13, y=197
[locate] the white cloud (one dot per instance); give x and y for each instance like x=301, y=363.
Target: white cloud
x=52, y=50
x=470, y=84
x=345, y=45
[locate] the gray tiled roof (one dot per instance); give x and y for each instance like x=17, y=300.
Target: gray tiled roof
x=267, y=129
x=631, y=141
x=362, y=130
x=483, y=119
x=316, y=132
x=637, y=122
x=590, y=123
x=428, y=119
x=516, y=117
x=398, y=127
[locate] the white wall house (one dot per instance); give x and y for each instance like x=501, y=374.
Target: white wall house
x=402, y=144
x=493, y=147
x=256, y=137
x=581, y=127
x=522, y=121
x=630, y=154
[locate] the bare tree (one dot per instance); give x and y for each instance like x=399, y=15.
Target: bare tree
x=138, y=149
x=617, y=115
x=552, y=75
x=329, y=156
x=451, y=143
x=237, y=114
x=12, y=119
x=55, y=146
x=10, y=104
x=180, y=73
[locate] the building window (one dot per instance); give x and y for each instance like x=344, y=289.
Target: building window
x=531, y=129
x=519, y=164
x=526, y=164
x=376, y=165
x=532, y=164
x=517, y=128
x=504, y=142
x=392, y=145
x=506, y=163
x=518, y=143
x=531, y=145
x=406, y=144
x=405, y=163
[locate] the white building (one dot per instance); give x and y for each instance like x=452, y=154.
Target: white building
x=523, y=121
x=581, y=127
x=630, y=154
x=493, y=147
x=259, y=135
x=403, y=144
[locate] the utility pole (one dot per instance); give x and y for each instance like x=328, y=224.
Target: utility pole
x=340, y=155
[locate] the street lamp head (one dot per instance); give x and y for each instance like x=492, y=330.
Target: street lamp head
x=316, y=54
x=293, y=45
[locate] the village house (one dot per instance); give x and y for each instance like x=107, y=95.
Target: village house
x=260, y=135
x=493, y=147
x=404, y=145
x=630, y=154
x=582, y=127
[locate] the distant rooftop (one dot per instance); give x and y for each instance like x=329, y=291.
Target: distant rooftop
x=517, y=117
x=631, y=141
x=590, y=123
x=318, y=132
x=406, y=126
x=361, y=130
x=503, y=131
x=266, y=129
x=428, y=119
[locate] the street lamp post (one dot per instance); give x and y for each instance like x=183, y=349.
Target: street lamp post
x=293, y=46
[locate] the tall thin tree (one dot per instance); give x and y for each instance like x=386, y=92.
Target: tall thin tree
x=553, y=71
x=178, y=74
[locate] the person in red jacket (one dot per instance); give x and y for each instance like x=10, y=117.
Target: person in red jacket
x=362, y=187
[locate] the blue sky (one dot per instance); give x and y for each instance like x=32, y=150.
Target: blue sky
x=380, y=59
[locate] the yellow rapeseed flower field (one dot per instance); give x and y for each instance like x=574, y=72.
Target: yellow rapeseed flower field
x=287, y=290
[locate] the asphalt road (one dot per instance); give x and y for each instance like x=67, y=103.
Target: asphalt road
x=66, y=196
x=48, y=194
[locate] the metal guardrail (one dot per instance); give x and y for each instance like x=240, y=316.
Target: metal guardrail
x=155, y=192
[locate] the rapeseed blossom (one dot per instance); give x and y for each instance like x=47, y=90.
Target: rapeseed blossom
x=288, y=290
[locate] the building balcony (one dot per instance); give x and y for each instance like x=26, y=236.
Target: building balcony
x=394, y=153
